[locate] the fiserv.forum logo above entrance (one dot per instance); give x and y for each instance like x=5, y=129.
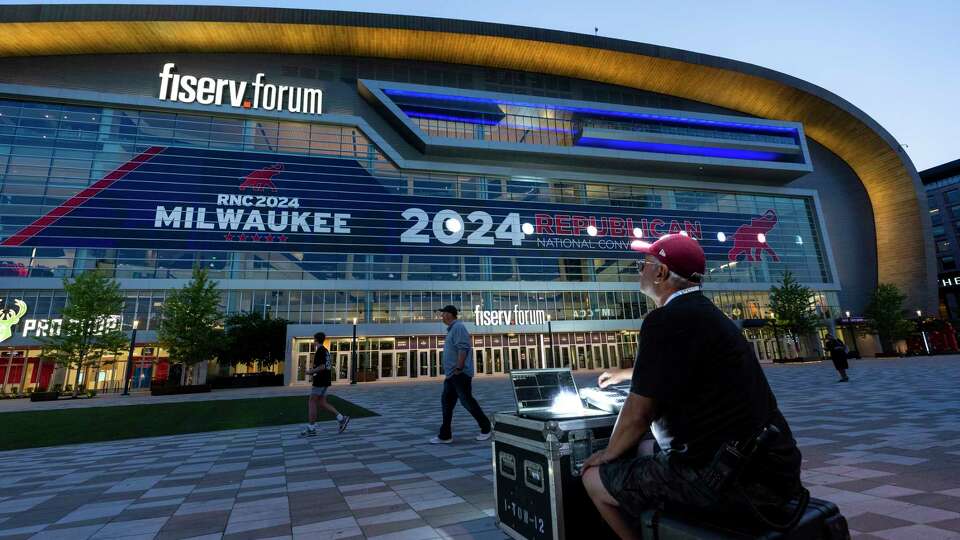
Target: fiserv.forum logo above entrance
x=242, y=94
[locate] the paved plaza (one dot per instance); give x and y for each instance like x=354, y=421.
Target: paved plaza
x=885, y=447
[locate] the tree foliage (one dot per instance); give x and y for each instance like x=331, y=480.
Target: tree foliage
x=793, y=307
x=190, y=328
x=885, y=315
x=250, y=338
x=86, y=333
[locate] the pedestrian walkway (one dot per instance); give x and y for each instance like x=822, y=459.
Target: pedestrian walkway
x=885, y=447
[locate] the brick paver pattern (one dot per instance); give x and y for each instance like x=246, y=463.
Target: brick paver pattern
x=885, y=447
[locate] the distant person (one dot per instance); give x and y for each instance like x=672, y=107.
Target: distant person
x=458, y=373
x=838, y=354
x=322, y=379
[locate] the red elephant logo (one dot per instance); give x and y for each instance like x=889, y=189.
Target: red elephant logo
x=260, y=180
x=748, y=240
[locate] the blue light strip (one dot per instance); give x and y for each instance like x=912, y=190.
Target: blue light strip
x=755, y=128
x=681, y=149
x=451, y=118
x=468, y=120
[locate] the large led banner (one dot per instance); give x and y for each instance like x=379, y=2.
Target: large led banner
x=199, y=199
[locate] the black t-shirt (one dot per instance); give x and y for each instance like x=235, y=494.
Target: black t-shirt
x=708, y=387
x=321, y=359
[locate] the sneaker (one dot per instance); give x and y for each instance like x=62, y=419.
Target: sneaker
x=484, y=436
x=307, y=432
x=438, y=440
x=342, y=425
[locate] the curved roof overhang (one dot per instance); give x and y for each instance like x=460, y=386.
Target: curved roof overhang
x=904, y=251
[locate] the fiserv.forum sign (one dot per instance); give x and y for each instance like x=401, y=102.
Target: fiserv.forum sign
x=242, y=94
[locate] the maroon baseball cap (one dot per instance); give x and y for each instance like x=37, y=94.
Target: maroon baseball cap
x=682, y=254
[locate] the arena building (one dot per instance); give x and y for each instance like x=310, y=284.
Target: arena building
x=355, y=171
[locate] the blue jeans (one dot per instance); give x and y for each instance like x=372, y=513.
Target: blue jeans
x=459, y=387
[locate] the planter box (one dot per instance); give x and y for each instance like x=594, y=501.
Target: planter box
x=247, y=381
x=44, y=396
x=174, y=390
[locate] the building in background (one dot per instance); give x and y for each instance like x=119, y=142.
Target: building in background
x=346, y=170
x=942, y=184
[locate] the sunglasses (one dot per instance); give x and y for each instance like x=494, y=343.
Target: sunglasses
x=639, y=265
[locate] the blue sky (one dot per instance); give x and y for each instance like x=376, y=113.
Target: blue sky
x=897, y=60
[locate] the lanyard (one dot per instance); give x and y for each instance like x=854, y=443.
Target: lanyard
x=681, y=293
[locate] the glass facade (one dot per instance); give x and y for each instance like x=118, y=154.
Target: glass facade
x=49, y=152
x=499, y=120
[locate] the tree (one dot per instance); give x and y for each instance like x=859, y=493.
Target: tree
x=885, y=315
x=793, y=308
x=190, y=328
x=250, y=338
x=88, y=330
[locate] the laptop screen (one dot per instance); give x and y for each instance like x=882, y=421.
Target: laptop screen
x=536, y=389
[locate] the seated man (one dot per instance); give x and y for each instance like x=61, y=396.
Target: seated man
x=697, y=385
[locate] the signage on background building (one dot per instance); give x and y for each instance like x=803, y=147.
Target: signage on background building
x=242, y=94
x=51, y=327
x=304, y=207
x=949, y=281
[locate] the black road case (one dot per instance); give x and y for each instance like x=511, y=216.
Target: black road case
x=821, y=521
x=537, y=485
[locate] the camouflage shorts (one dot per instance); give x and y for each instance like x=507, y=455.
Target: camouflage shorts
x=650, y=481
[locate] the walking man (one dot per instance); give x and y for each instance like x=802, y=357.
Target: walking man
x=458, y=370
x=322, y=380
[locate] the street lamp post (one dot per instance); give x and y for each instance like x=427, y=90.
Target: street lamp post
x=133, y=342
x=853, y=334
x=553, y=344
x=923, y=334
x=353, y=354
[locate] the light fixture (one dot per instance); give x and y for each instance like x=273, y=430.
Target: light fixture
x=762, y=238
x=527, y=228
x=453, y=225
x=591, y=230
x=848, y=314
x=721, y=237
x=638, y=232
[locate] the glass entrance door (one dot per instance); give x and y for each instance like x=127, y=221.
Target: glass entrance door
x=497, y=355
x=435, y=358
x=533, y=361
x=478, y=363
x=424, y=363
x=599, y=358
x=386, y=365
x=342, y=369
x=514, y=358
x=402, y=368
x=581, y=356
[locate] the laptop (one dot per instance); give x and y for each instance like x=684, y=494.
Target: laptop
x=548, y=394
